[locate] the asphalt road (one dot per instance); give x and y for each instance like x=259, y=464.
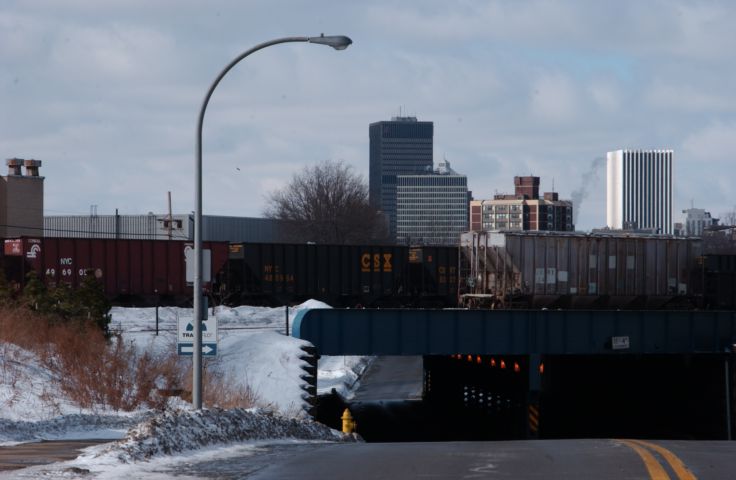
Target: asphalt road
x=391, y=378
x=539, y=459
x=41, y=453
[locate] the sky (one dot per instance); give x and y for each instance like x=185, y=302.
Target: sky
x=107, y=95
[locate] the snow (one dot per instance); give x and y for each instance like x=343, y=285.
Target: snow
x=341, y=374
x=180, y=430
x=252, y=351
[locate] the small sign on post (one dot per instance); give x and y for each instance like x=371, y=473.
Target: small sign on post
x=206, y=264
x=185, y=337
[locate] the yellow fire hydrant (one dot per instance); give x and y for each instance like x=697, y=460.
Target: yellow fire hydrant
x=348, y=424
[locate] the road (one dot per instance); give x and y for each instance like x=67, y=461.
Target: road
x=537, y=459
x=40, y=453
x=391, y=378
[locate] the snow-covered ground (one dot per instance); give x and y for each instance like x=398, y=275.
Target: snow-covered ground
x=252, y=351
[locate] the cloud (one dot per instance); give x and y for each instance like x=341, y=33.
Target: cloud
x=106, y=93
x=440, y=21
x=554, y=98
x=120, y=52
x=605, y=95
x=676, y=95
x=713, y=143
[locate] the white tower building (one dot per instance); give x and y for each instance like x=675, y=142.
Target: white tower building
x=639, y=190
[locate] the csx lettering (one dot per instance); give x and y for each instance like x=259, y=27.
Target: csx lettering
x=387, y=262
x=376, y=263
x=365, y=262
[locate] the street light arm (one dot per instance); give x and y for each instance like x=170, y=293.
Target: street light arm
x=336, y=42
x=229, y=67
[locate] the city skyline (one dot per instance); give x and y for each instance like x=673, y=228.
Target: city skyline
x=106, y=96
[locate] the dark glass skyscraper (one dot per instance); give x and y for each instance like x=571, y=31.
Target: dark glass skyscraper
x=402, y=146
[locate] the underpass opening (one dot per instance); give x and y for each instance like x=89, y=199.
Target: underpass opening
x=452, y=403
x=467, y=397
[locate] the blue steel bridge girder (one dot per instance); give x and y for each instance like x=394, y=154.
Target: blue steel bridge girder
x=515, y=332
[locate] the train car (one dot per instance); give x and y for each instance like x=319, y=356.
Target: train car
x=134, y=272
x=719, y=283
x=575, y=270
x=342, y=275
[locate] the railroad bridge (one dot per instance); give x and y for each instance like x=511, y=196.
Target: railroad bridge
x=559, y=372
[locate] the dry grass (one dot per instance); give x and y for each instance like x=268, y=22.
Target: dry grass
x=95, y=372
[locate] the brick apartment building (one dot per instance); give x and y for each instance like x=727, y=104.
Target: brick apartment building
x=524, y=210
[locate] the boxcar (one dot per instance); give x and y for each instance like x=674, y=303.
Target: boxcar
x=140, y=272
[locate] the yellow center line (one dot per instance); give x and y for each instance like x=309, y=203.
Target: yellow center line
x=655, y=470
x=683, y=473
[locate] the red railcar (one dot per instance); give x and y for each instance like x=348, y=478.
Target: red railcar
x=141, y=272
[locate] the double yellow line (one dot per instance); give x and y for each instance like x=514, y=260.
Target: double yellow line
x=655, y=469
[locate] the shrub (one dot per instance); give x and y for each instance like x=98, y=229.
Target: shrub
x=95, y=371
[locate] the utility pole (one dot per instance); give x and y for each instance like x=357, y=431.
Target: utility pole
x=171, y=218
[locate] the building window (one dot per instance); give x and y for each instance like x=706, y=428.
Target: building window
x=175, y=224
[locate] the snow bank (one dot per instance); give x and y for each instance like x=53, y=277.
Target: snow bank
x=181, y=430
x=67, y=427
x=34, y=408
x=252, y=352
x=267, y=362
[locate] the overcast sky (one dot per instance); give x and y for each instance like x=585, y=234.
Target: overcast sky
x=107, y=94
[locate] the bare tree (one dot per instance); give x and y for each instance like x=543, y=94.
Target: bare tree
x=327, y=203
x=728, y=218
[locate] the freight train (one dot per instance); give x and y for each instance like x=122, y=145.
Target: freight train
x=153, y=272
x=488, y=270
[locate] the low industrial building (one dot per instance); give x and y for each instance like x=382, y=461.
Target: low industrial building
x=164, y=227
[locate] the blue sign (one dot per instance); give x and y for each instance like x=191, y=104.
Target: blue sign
x=208, y=349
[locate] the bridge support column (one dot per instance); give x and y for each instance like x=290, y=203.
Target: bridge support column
x=533, y=395
x=729, y=400
x=309, y=377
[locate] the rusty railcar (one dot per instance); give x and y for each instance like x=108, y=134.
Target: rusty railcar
x=138, y=272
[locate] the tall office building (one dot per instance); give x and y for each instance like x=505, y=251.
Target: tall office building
x=402, y=146
x=639, y=190
x=432, y=208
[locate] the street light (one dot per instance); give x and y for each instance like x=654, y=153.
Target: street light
x=338, y=42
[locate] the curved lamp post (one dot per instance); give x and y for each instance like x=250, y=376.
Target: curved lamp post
x=338, y=43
